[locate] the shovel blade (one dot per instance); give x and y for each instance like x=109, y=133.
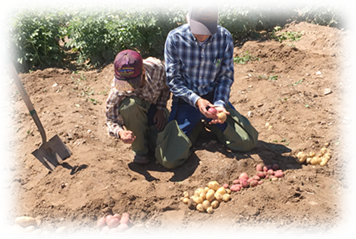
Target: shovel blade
x=52, y=153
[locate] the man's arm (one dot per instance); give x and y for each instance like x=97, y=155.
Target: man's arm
x=225, y=79
x=174, y=78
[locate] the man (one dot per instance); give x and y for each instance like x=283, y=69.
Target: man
x=136, y=106
x=199, y=72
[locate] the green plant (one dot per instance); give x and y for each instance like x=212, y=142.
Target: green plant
x=282, y=36
x=34, y=39
x=246, y=57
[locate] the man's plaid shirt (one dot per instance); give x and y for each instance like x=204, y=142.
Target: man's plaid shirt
x=194, y=69
x=154, y=91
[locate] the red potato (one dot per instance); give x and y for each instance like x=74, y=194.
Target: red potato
x=108, y=218
x=256, y=177
x=125, y=219
x=261, y=174
x=260, y=182
x=113, y=222
x=265, y=169
x=279, y=174
x=226, y=185
x=270, y=172
x=236, y=181
x=243, y=176
x=275, y=167
x=101, y=222
x=212, y=110
x=259, y=168
x=245, y=183
x=236, y=187
x=249, y=180
x=253, y=183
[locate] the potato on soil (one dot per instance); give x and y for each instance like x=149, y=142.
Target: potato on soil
x=244, y=183
x=210, y=195
x=275, y=167
x=221, y=190
x=185, y=194
x=206, y=204
x=236, y=187
x=210, y=210
x=261, y=174
x=243, y=176
x=228, y=190
x=324, y=161
x=101, y=222
x=279, y=174
x=186, y=200
x=113, y=222
x=215, y=204
x=259, y=168
x=315, y=161
x=226, y=197
x=253, y=183
x=236, y=181
x=214, y=185
x=198, y=191
x=226, y=185
x=218, y=197
x=260, y=182
x=125, y=218
x=200, y=207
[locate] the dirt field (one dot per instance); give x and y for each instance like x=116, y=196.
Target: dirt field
x=292, y=95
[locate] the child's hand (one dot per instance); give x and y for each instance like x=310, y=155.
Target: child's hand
x=127, y=136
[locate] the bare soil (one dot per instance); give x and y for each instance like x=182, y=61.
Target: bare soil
x=292, y=95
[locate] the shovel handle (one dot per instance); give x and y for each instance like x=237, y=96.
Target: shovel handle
x=28, y=103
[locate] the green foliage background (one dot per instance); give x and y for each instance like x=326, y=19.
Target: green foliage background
x=95, y=36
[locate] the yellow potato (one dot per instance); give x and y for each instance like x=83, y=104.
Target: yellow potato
x=198, y=191
x=324, y=161
x=221, y=190
x=215, y=204
x=200, y=208
x=206, y=204
x=218, y=196
x=228, y=191
x=206, y=189
x=214, y=185
x=226, y=197
x=302, y=157
x=312, y=154
x=186, y=200
x=197, y=199
x=209, y=210
x=185, y=194
x=222, y=116
x=210, y=195
x=315, y=161
x=323, y=150
x=308, y=159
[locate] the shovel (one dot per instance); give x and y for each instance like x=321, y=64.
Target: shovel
x=50, y=153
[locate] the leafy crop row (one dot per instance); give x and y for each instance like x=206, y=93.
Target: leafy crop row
x=41, y=39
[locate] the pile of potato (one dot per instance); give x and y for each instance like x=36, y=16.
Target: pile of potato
x=320, y=158
x=116, y=223
x=209, y=198
x=269, y=172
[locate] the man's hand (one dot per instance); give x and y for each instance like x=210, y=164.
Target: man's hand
x=160, y=119
x=127, y=136
x=219, y=110
x=204, y=106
